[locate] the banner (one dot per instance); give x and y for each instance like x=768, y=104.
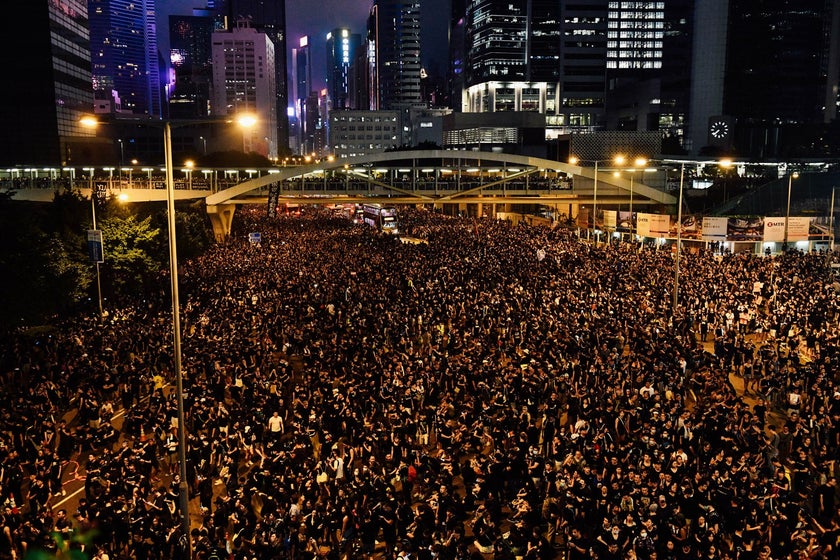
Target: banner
x=714, y=229
x=653, y=225
x=273, y=199
x=625, y=221
x=691, y=227
x=798, y=229
x=609, y=219
x=750, y=228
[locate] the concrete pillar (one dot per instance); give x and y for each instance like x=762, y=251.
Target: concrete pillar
x=221, y=217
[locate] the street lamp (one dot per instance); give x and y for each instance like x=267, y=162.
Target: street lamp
x=93, y=227
x=723, y=163
x=679, y=239
x=204, y=142
x=189, y=169
x=574, y=161
x=831, y=220
x=638, y=163
x=679, y=242
x=791, y=177
x=183, y=489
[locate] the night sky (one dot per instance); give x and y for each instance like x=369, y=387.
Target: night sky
x=316, y=17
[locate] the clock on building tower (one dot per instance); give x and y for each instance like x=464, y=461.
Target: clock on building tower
x=720, y=131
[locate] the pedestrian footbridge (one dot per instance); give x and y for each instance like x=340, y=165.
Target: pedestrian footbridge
x=467, y=182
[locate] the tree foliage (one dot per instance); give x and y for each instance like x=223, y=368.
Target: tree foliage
x=41, y=273
x=130, y=260
x=44, y=260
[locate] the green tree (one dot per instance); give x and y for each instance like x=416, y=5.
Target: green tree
x=130, y=258
x=43, y=273
x=192, y=226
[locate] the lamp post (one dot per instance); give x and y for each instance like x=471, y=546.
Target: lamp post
x=189, y=169
x=831, y=219
x=183, y=488
x=638, y=163
x=204, y=143
x=791, y=177
x=574, y=161
x=93, y=227
x=679, y=242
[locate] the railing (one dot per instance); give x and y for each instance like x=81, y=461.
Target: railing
x=332, y=181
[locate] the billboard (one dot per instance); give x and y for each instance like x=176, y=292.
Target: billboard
x=714, y=229
x=653, y=225
x=798, y=228
x=610, y=219
x=749, y=228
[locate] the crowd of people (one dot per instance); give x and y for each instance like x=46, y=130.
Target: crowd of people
x=495, y=391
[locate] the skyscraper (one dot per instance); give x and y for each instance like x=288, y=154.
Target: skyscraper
x=301, y=87
x=457, y=53
x=190, y=54
x=777, y=63
x=394, y=54
x=342, y=46
x=648, y=67
x=269, y=18
x=124, y=54
x=243, y=81
x=52, y=85
x=512, y=56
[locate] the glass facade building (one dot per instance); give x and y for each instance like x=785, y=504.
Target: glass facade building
x=124, y=54
x=51, y=89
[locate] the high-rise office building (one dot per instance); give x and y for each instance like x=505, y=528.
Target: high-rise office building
x=243, y=81
x=124, y=54
x=342, y=46
x=457, y=53
x=394, y=54
x=301, y=86
x=359, y=81
x=512, y=56
x=52, y=86
x=269, y=18
x=190, y=54
x=777, y=67
x=302, y=71
x=648, y=63
x=727, y=75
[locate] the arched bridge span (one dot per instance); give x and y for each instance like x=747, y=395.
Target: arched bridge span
x=437, y=178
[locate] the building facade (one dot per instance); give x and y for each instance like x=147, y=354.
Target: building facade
x=357, y=133
x=269, y=18
x=394, y=54
x=190, y=54
x=342, y=46
x=301, y=90
x=124, y=56
x=243, y=81
x=52, y=86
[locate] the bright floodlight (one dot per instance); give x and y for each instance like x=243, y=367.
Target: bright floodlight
x=246, y=120
x=89, y=121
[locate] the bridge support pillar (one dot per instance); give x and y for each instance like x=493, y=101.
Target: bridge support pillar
x=221, y=217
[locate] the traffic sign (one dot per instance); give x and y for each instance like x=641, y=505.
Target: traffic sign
x=96, y=252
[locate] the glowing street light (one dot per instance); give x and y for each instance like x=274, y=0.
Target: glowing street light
x=638, y=163
x=618, y=160
x=90, y=170
x=791, y=177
